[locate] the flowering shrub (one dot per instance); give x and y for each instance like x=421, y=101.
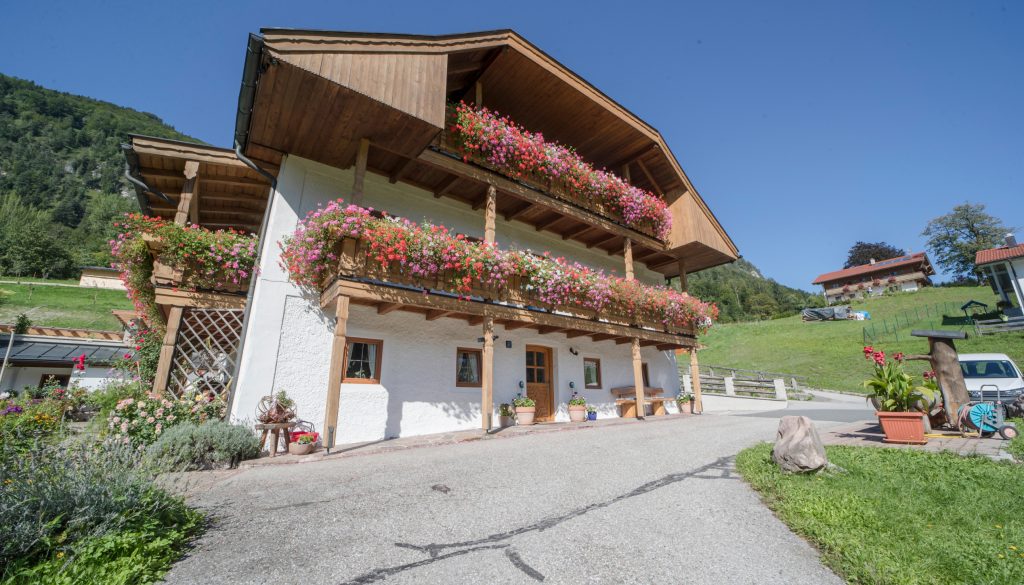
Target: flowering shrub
x=207, y=259
x=24, y=422
x=428, y=251
x=891, y=386
x=577, y=400
x=141, y=421
x=521, y=401
x=485, y=136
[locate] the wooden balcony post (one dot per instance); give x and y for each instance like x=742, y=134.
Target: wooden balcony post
x=683, y=287
x=487, y=376
x=163, y=367
x=188, y=201
x=489, y=213
x=698, y=406
x=360, y=173
x=638, y=379
x=627, y=253
x=336, y=372
x=478, y=98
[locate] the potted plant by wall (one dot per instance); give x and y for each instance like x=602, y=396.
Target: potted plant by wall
x=577, y=408
x=506, y=416
x=525, y=408
x=684, y=402
x=591, y=413
x=304, y=446
x=896, y=397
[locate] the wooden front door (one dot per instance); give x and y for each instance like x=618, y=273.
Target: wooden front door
x=538, y=381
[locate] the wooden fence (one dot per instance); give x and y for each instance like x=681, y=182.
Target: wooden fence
x=989, y=326
x=739, y=382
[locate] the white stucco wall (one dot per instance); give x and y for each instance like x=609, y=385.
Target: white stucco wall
x=16, y=378
x=288, y=342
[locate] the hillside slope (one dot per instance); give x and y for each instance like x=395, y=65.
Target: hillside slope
x=61, y=176
x=829, y=353
x=742, y=293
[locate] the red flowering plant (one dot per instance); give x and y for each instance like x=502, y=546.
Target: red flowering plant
x=459, y=265
x=891, y=386
x=484, y=136
x=214, y=260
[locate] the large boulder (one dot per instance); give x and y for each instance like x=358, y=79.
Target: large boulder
x=798, y=448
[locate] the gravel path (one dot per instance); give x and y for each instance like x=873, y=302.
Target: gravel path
x=642, y=503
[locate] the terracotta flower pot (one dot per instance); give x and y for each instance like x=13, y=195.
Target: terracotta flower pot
x=685, y=407
x=524, y=414
x=577, y=412
x=300, y=449
x=902, y=427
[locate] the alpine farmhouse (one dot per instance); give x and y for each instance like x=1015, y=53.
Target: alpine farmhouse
x=557, y=280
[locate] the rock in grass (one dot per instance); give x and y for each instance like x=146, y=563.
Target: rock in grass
x=798, y=448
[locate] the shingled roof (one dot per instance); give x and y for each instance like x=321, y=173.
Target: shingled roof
x=997, y=254
x=876, y=267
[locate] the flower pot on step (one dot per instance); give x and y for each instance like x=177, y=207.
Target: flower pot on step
x=577, y=412
x=506, y=421
x=902, y=427
x=300, y=449
x=524, y=414
x=685, y=407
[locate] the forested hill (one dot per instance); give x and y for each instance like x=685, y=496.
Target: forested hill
x=61, y=176
x=744, y=294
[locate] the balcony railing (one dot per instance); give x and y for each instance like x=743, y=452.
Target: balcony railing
x=883, y=282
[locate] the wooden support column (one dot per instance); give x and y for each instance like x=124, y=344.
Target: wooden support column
x=188, y=204
x=489, y=214
x=337, y=371
x=360, y=173
x=487, y=376
x=698, y=406
x=683, y=287
x=638, y=379
x=627, y=252
x=163, y=368
x=478, y=99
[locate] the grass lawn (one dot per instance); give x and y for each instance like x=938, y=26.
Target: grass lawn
x=61, y=306
x=897, y=516
x=828, y=352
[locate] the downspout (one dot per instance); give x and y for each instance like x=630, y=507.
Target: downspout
x=252, y=277
x=145, y=188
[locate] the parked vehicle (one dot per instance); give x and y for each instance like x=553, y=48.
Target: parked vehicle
x=990, y=374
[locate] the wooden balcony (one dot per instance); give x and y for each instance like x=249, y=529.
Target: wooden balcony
x=387, y=288
x=172, y=288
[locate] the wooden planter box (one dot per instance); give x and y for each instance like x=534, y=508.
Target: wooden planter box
x=905, y=428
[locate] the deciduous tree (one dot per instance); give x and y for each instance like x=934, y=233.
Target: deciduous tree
x=955, y=238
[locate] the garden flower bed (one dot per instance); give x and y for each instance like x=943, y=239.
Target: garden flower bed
x=494, y=141
x=430, y=256
x=199, y=258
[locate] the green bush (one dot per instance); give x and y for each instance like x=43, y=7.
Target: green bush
x=26, y=422
x=75, y=513
x=212, y=444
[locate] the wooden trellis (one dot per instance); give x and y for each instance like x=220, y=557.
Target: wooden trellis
x=205, y=351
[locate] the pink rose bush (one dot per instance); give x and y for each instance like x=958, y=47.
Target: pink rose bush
x=141, y=421
x=484, y=136
x=460, y=265
x=215, y=260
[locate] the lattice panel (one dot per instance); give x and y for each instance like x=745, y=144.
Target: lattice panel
x=205, y=352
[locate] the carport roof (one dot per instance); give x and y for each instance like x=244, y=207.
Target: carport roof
x=30, y=350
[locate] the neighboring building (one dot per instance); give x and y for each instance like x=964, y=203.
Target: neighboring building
x=903, y=274
x=1004, y=269
x=362, y=116
x=34, y=358
x=100, y=277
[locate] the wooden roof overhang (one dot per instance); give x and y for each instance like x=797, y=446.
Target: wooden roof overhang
x=386, y=299
x=317, y=94
x=228, y=193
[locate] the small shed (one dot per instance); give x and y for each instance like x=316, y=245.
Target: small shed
x=972, y=308
x=100, y=277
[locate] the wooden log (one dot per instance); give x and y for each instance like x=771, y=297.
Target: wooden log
x=949, y=376
x=337, y=371
x=487, y=375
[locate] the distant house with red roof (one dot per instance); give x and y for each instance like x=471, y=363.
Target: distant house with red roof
x=902, y=274
x=1004, y=269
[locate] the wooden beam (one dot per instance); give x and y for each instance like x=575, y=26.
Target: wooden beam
x=602, y=336
x=698, y=406
x=629, y=158
x=487, y=375
x=385, y=308
x=571, y=334
x=667, y=346
x=623, y=340
x=337, y=372
x=519, y=191
x=577, y=231
x=445, y=186
x=546, y=329
x=434, y=315
x=625, y=173
x=478, y=98
x=476, y=89
x=403, y=168
x=638, y=379
x=602, y=239
x=475, y=320
x=167, y=296
x=650, y=177
x=683, y=285
x=549, y=222
x=164, y=363
x=627, y=253
x=492, y=205
x=526, y=206
x=188, y=209
x=648, y=343
x=510, y=325
x=218, y=179
x=360, y=173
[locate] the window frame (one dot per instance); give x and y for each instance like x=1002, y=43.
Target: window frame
x=587, y=386
x=479, y=353
x=344, y=361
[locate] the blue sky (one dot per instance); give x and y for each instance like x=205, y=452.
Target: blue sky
x=805, y=125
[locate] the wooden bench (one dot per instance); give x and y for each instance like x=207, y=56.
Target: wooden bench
x=627, y=400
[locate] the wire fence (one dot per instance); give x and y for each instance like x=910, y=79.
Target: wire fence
x=930, y=316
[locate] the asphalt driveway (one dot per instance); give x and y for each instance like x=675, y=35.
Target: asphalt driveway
x=652, y=502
